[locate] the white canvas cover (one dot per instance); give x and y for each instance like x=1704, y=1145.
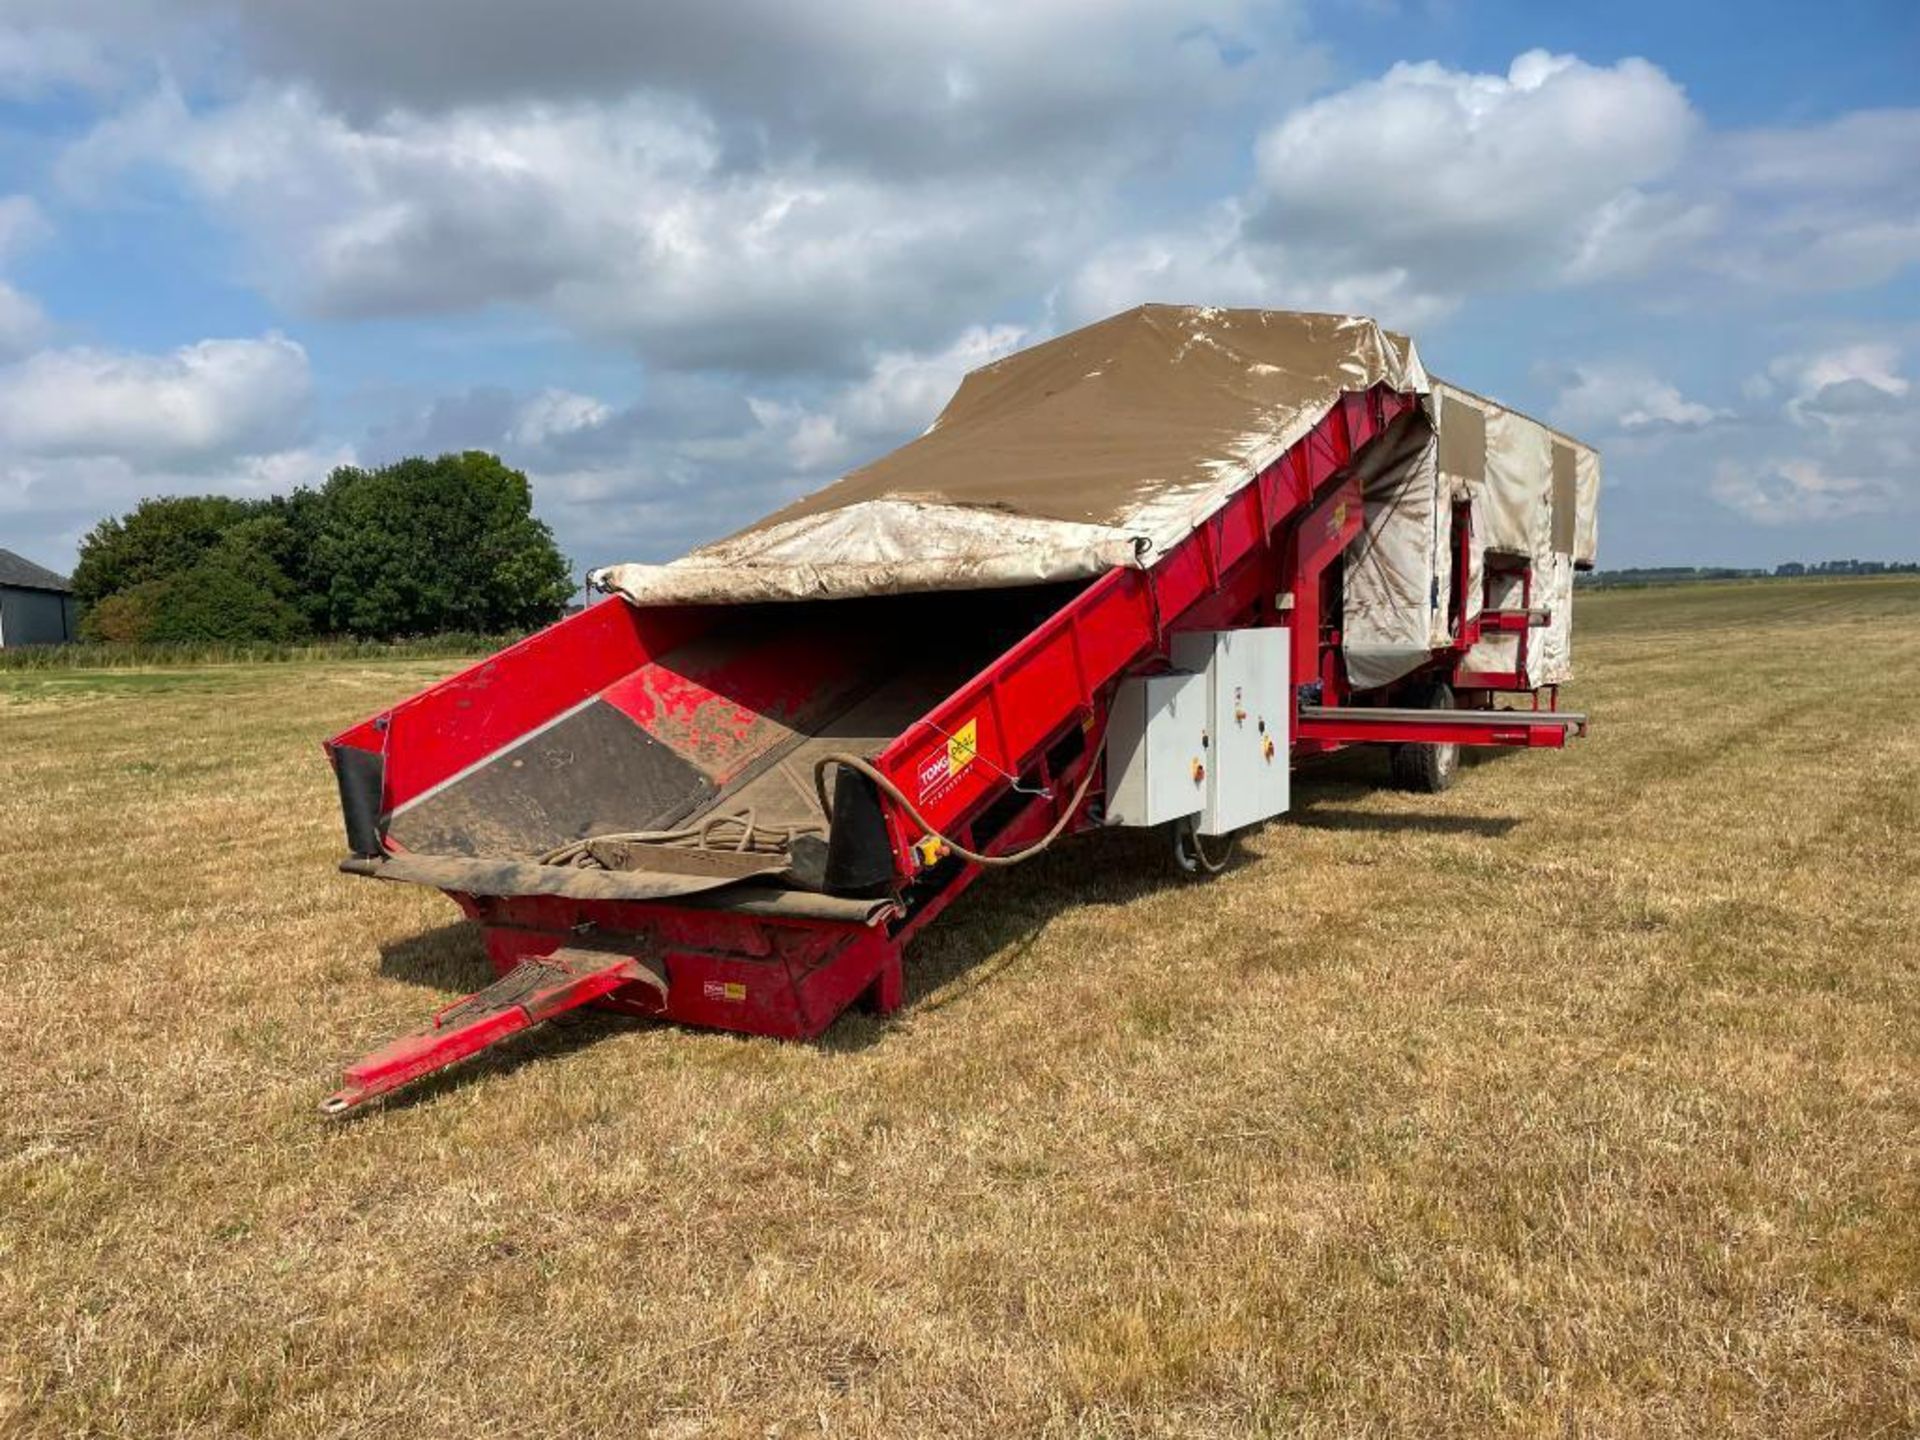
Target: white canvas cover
x=1533, y=494
x=1100, y=448
x=1394, y=585
x=1535, y=500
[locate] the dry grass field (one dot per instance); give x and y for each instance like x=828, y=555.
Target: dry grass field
x=1582, y=1100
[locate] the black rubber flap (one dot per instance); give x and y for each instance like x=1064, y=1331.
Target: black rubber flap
x=361, y=775
x=859, y=859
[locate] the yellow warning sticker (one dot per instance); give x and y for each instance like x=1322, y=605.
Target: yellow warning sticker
x=943, y=767
x=962, y=746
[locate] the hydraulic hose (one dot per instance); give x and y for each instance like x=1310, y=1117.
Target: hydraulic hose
x=893, y=793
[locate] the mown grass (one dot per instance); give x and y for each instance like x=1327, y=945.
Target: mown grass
x=1581, y=1100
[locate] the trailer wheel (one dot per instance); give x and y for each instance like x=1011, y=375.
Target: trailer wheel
x=1428, y=769
x=1198, y=856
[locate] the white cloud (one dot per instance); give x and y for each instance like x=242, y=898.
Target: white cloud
x=760, y=187
x=1481, y=181
x=627, y=221
x=1215, y=263
x=673, y=214
x=1602, y=399
x=938, y=85
x=1836, y=387
x=200, y=404
x=907, y=389
x=1796, y=492
x=900, y=397
x=1400, y=197
x=553, y=414
x=22, y=325
x=1823, y=207
x=39, y=59
x=50, y=502
x=1850, y=446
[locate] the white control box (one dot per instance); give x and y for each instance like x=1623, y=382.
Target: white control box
x=1156, y=749
x=1249, y=693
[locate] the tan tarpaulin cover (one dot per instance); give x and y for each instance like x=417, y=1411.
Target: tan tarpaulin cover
x=1101, y=448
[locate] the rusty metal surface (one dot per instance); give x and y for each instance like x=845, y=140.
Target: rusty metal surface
x=729, y=698
x=781, y=791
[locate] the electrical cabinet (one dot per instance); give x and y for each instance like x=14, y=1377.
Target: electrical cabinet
x=1249, y=694
x=1156, y=749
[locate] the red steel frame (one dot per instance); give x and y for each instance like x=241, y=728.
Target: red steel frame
x=1268, y=555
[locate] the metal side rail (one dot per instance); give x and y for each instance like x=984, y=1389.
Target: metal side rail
x=532, y=992
x=1358, y=724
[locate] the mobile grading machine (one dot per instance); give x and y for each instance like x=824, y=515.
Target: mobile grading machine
x=1125, y=577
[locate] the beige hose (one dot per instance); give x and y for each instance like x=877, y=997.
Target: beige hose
x=892, y=791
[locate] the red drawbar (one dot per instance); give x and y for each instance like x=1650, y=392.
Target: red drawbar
x=522, y=998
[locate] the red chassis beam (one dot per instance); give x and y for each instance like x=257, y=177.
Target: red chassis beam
x=1380, y=725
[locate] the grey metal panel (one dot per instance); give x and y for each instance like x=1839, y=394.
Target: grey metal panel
x=1155, y=737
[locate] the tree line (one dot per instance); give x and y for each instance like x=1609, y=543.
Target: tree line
x=1792, y=569
x=414, y=548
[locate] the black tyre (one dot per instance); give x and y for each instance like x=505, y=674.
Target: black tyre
x=1197, y=856
x=1428, y=769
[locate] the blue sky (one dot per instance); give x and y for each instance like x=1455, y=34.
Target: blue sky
x=682, y=263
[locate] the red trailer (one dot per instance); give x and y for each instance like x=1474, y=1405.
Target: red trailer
x=731, y=793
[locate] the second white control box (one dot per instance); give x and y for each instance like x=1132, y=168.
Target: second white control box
x=1249, y=699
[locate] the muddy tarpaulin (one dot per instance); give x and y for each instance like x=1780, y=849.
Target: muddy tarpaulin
x=747, y=891
x=1102, y=448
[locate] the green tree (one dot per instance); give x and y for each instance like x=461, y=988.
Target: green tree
x=217, y=600
x=122, y=618
x=293, y=549
x=429, y=545
x=157, y=538
x=197, y=585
